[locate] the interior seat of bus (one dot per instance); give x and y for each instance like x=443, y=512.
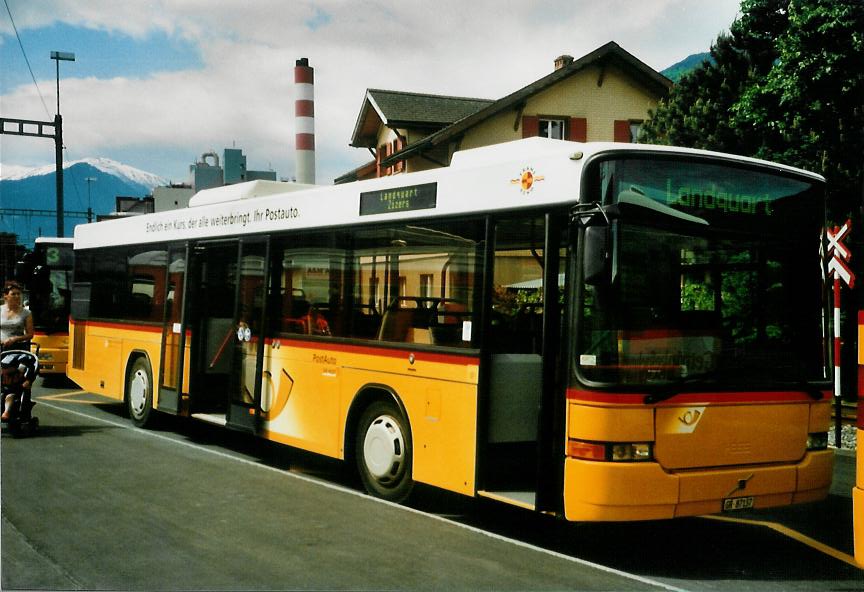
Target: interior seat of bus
x=417, y=319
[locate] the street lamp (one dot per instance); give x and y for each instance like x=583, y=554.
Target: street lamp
x=59, y=56
x=89, y=209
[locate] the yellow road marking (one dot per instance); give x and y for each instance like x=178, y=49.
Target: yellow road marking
x=63, y=397
x=793, y=534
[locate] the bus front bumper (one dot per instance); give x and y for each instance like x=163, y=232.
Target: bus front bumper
x=53, y=361
x=606, y=491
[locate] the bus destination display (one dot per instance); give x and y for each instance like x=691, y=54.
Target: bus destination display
x=399, y=199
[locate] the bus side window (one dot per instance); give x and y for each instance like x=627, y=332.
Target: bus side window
x=294, y=310
x=397, y=323
x=306, y=287
x=140, y=306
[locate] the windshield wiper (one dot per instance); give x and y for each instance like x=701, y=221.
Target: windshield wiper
x=667, y=392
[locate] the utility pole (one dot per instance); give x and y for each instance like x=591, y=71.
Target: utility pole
x=89, y=208
x=59, y=56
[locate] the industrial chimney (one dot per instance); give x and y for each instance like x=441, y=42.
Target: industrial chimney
x=304, y=113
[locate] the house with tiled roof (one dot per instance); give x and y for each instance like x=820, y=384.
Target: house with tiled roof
x=602, y=96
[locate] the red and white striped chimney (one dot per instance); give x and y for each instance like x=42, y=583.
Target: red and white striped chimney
x=304, y=114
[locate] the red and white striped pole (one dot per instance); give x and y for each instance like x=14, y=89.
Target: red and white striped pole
x=838, y=268
x=837, y=389
x=304, y=118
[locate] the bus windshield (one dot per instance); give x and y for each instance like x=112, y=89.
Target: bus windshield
x=714, y=276
x=50, y=289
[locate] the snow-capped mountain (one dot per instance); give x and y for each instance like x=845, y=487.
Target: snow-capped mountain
x=106, y=165
x=34, y=189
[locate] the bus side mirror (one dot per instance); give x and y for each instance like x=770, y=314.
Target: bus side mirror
x=596, y=247
x=596, y=255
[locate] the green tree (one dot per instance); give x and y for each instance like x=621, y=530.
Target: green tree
x=786, y=84
x=697, y=112
x=809, y=110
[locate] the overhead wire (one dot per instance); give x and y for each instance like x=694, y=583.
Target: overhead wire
x=21, y=44
x=41, y=98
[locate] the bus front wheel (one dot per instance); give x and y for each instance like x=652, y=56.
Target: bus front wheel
x=384, y=452
x=139, y=392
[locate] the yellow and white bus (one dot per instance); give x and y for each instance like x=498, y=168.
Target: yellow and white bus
x=48, y=280
x=598, y=331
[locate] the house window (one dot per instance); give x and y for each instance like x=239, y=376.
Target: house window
x=426, y=281
x=551, y=128
x=635, y=128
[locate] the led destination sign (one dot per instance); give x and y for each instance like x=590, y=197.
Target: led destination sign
x=712, y=199
x=399, y=199
x=716, y=193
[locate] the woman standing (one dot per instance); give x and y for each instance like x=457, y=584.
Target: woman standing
x=16, y=322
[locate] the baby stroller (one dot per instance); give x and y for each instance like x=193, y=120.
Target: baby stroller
x=20, y=368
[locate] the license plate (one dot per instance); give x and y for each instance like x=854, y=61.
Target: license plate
x=737, y=503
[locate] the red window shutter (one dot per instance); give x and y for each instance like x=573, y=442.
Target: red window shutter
x=530, y=126
x=397, y=147
x=378, y=156
x=622, y=131
x=578, y=129
x=389, y=170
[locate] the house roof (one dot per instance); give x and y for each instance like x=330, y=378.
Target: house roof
x=356, y=174
x=409, y=110
x=610, y=53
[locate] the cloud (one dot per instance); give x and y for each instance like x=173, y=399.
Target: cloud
x=243, y=93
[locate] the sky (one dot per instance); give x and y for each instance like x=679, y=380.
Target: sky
x=157, y=83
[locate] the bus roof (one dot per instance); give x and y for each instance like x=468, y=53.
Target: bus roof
x=54, y=240
x=519, y=174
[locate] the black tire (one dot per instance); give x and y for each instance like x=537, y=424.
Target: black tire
x=384, y=452
x=139, y=392
x=14, y=429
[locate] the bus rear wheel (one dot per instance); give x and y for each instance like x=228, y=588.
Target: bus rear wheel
x=139, y=392
x=384, y=452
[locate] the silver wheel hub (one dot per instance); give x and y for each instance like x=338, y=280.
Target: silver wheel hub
x=384, y=448
x=138, y=390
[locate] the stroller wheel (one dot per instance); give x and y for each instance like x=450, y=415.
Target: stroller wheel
x=25, y=428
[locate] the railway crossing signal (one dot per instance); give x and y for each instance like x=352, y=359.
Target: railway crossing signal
x=838, y=268
x=839, y=253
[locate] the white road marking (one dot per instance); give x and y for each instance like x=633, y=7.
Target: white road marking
x=364, y=496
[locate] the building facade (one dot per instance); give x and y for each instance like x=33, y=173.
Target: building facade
x=603, y=96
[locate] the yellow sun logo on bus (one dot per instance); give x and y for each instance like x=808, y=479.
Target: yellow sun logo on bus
x=527, y=180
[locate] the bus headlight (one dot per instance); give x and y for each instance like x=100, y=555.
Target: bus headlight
x=817, y=441
x=631, y=452
x=611, y=451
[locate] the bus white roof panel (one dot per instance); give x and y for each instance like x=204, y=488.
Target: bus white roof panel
x=54, y=240
x=524, y=173
x=246, y=190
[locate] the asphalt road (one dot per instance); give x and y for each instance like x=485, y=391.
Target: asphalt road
x=94, y=503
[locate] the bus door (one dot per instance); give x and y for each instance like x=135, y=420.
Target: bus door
x=173, y=334
x=231, y=280
x=525, y=322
